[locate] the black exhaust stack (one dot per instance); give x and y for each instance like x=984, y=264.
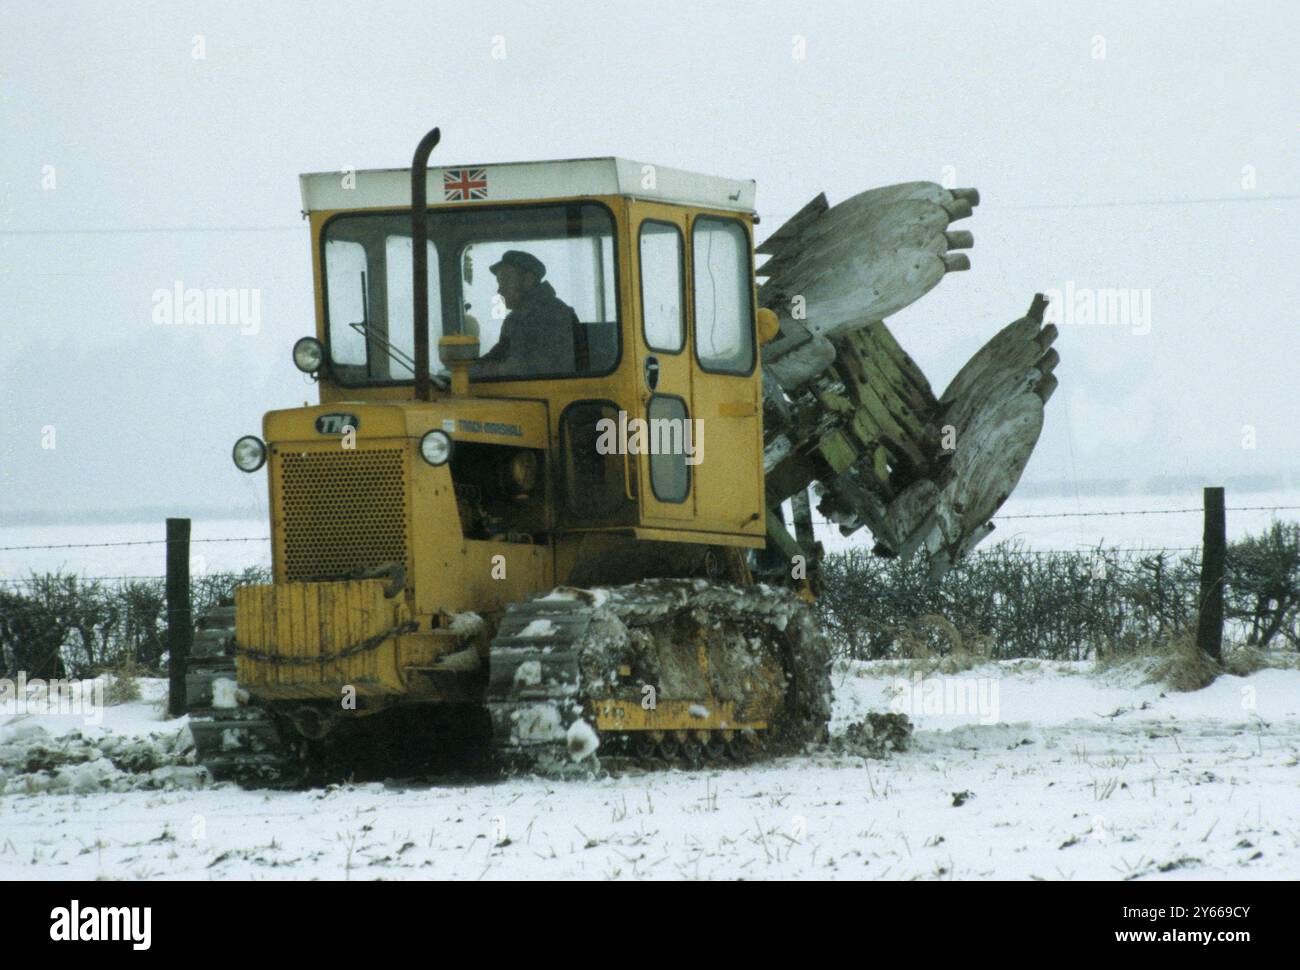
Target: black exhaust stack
x=420, y=259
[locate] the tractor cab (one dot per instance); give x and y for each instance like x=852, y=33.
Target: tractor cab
x=591, y=377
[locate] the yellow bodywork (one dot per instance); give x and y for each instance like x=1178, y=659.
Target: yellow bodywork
x=387, y=504
x=306, y=626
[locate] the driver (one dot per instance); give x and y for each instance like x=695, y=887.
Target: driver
x=541, y=334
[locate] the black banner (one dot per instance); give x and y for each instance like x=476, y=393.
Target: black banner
x=252, y=919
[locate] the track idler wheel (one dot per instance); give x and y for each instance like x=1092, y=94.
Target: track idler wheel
x=692, y=750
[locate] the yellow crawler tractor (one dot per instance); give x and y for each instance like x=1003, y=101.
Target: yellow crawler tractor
x=556, y=531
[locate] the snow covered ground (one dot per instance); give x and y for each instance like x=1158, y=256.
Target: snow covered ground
x=1019, y=769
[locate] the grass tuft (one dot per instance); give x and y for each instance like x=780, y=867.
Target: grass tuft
x=1182, y=666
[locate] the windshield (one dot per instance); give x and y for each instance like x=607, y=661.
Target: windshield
x=536, y=284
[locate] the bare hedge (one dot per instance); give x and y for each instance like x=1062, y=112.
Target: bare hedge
x=1008, y=601
x=1060, y=605
x=58, y=625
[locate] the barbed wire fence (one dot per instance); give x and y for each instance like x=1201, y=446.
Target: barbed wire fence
x=1012, y=600
x=827, y=522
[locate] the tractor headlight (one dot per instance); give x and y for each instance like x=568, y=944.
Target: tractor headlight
x=249, y=453
x=308, y=355
x=436, y=447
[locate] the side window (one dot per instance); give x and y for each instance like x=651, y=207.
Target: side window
x=670, y=442
x=662, y=278
x=724, y=313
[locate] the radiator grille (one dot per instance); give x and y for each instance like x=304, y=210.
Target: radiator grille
x=342, y=511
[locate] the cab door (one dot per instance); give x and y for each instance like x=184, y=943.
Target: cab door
x=664, y=398
x=726, y=380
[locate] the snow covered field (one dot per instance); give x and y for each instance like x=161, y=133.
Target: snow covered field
x=1019, y=770
x=68, y=550
x=1059, y=527
x=1173, y=521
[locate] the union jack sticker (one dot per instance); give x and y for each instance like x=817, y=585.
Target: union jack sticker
x=464, y=184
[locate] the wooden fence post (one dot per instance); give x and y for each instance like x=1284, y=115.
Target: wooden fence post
x=180, y=624
x=1209, y=623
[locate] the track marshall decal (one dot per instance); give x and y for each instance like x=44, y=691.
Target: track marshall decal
x=464, y=184
x=489, y=427
x=96, y=924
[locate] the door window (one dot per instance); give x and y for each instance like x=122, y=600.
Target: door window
x=671, y=442
x=724, y=312
x=662, y=308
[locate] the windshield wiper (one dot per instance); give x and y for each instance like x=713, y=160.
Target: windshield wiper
x=364, y=328
x=396, y=354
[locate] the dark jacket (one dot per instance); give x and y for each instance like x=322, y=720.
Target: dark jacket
x=543, y=336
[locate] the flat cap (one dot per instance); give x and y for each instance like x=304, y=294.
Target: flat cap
x=520, y=260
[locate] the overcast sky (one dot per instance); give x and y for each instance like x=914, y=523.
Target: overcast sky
x=1146, y=148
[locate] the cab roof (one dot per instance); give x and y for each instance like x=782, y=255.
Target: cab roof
x=388, y=188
